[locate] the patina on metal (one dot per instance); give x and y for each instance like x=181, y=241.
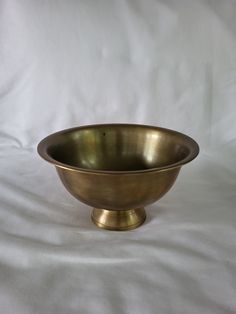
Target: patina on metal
x=118, y=168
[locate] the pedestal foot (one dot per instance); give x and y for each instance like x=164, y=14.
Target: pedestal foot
x=119, y=220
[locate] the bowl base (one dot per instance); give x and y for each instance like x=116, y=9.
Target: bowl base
x=119, y=220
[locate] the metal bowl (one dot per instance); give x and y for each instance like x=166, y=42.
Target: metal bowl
x=118, y=168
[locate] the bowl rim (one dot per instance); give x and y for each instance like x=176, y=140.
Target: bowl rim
x=45, y=143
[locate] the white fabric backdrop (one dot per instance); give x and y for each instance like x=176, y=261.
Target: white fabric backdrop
x=166, y=63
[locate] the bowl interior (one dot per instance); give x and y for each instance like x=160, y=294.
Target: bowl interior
x=119, y=147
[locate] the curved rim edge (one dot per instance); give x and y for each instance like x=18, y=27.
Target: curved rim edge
x=43, y=144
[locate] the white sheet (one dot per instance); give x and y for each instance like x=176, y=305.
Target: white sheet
x=166, y=63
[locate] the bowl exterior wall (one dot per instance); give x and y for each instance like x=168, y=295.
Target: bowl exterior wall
x=118, y=191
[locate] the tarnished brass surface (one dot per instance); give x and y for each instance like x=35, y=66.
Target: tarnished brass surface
x=118, y=167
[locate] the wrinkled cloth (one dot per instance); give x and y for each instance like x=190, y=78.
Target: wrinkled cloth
x=165, y=63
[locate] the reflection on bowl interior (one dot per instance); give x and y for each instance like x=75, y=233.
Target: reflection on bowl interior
x=118, y=149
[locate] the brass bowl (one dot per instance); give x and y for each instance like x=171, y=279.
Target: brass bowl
x=118, y=168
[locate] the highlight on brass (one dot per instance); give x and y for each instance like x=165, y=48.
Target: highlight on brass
x=118, y=168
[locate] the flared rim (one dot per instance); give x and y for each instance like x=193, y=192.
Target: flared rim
x=47, y=141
